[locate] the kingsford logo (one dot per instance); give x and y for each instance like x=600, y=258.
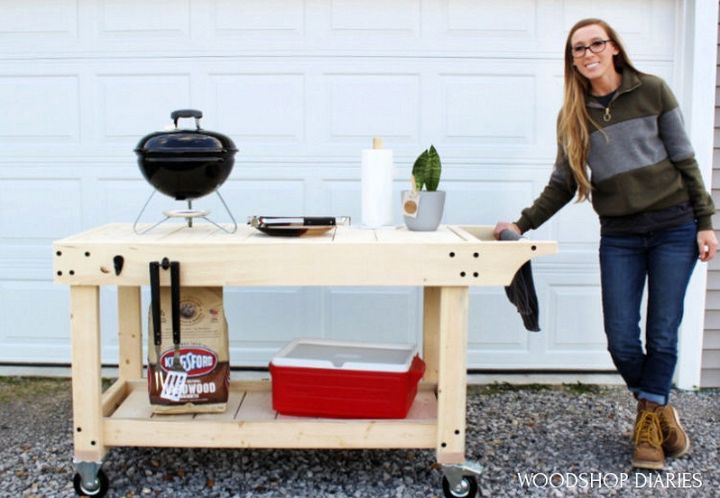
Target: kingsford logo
x=195, y=361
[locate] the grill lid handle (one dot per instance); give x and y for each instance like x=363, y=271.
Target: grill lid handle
x=186, y=113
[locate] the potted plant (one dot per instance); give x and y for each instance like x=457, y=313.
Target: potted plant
x=423, y=205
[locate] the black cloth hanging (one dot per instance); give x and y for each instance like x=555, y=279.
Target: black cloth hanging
x=521, y=291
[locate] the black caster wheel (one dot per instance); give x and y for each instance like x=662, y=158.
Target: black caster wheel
x=468, y=488
x=102, y=485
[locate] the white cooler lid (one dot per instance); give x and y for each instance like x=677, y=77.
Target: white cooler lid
x=345, y=355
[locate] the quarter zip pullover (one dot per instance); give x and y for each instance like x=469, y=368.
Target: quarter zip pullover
x=640, y=158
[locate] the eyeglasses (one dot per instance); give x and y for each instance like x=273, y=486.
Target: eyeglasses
x=595, y=47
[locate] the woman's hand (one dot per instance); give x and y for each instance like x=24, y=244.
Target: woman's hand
x=504, y=225
x=707, y=244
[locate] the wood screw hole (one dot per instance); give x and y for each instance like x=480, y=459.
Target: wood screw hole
x=452, y=254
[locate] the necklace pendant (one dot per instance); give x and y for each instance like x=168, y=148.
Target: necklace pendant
x=607, y=116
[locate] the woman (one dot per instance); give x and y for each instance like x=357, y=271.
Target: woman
x=625, y=127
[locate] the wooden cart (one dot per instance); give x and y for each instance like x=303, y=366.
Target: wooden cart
x=445, y=263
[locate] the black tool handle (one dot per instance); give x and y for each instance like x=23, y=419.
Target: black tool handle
x=155, y=301
x=310, y=221
x=186, y=113
x=175, y=299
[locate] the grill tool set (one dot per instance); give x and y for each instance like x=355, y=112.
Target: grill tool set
x=173, y=384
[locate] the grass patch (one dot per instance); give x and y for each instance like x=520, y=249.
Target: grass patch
x=580, y=388
x=19, y=388
x=22, y=388
x=505, y=387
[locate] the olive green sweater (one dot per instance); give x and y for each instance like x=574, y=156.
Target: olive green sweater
x=641, y=161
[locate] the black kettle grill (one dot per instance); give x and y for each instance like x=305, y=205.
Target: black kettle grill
x=186, y=164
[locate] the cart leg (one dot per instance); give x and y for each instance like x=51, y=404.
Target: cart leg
x=452, y=375
x=431, y=332
x=130, y=361
x=86, y=380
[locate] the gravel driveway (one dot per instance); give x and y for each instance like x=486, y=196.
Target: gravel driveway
x=532, y=441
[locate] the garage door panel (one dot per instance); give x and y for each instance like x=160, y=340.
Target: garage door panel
x=39, y=107
x=50, y=20
x=374, y=314
x=27, y=331
x=268, y=196
x=266, y=107
x=132, y=18
x=647, y=27
x=579, y=225
x=24, y=261
x=132, y=105
x=515, y=28
x=484, y=108
x=301, y=86
x=122, y=199
x=575, y=323
x=355, y=16
x=269, y=18
x=357, y=106
x=494, y=325
x=484, y=201
x=39, y=209
x=513, y=20
x=572, y=336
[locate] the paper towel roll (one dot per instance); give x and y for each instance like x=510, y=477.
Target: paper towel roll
x=376, y=178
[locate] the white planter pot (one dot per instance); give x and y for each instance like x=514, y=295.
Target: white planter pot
x=430, y=211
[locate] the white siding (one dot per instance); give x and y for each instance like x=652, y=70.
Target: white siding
x=710, y=373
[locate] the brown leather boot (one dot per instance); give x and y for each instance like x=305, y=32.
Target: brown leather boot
x=648, y=438
x=675, y=440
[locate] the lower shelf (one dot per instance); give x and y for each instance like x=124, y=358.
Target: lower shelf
x=250, y=422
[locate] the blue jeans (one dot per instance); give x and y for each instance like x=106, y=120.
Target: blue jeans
x=666, y=258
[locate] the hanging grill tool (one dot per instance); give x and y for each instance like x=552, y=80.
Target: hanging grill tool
x=174, y=383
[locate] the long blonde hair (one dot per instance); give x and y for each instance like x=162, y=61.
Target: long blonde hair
x=573, y=130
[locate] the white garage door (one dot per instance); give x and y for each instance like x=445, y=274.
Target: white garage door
x=301, y=87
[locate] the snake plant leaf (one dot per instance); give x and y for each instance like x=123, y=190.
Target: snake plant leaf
x=433, y=168
x=418, y=170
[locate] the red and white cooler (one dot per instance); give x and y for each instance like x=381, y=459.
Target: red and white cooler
x=314, y=377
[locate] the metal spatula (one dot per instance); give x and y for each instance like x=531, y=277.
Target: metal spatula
x=177, y=376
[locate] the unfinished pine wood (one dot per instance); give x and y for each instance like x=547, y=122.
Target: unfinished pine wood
x=86, y=384
x=431, y=332
x=424, y=407
x=256, y=406
x=114, y=396
x=271, y=434
x=250, y=421
x=135, y=406
x=350, y=257
x=445, y=263
x=235, y=399
x=130, y=362
x=401, y=234
x=452, y=375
